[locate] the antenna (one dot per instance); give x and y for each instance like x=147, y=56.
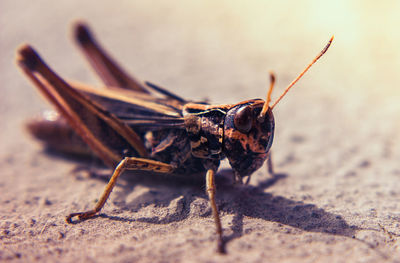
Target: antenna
x=302, y=73
x=261, y=117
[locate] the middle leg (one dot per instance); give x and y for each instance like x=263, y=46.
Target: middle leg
x=211, y=189
x=128, y=163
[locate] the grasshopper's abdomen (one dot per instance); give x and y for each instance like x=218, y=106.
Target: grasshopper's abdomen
x=55, y=133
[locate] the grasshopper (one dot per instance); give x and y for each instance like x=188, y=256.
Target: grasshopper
x=132, y=125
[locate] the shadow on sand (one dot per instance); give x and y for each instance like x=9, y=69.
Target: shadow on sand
x=239, y=200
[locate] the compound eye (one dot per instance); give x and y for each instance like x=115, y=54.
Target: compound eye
x=243, y=119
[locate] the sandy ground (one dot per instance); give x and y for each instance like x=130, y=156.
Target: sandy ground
x=337, y=144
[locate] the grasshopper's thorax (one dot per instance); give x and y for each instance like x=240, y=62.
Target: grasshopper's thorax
x=205, y=126
x=247, y=139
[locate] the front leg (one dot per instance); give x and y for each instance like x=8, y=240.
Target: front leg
x=270, y=165
x=128, y=163
x=211, y=189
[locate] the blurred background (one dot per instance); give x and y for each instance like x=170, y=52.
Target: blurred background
x=223, y=51
x=220, y=50
x=337, y=132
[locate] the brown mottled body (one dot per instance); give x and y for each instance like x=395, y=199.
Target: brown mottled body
x=130, y=125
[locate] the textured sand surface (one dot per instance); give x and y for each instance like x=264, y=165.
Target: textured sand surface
x=337, y=142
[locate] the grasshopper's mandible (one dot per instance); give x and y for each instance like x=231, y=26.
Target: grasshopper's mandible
x=132, y=125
